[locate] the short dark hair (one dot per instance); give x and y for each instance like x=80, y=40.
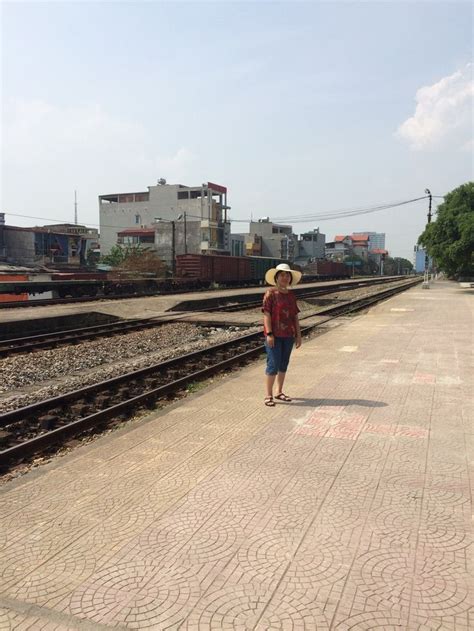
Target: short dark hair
x=286, y=272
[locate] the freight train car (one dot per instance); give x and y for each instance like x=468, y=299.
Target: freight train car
x=325, y=270
x=225, y=271
x=209, y=269
x=193, y=272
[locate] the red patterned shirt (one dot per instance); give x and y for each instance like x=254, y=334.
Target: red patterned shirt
x=283, y=310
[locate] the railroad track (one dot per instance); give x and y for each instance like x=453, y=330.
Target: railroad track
x=23, y=304
x=75, y=336
x=40, y=426
x=47, y=302
x=303, y=294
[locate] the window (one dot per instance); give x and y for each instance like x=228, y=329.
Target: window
x=138, y=219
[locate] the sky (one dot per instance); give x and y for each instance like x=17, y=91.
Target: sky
x=299, y=108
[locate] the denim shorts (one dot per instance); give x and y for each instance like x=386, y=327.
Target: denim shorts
x=279, y=356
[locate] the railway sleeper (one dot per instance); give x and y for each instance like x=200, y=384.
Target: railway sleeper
x=48, y=421
x=102, y=401
x=5, y=438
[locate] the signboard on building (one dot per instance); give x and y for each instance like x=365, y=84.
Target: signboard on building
x=217, y=188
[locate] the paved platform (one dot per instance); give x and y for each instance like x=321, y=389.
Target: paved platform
x=348, y=509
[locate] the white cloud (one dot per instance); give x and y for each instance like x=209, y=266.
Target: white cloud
x=443, y=115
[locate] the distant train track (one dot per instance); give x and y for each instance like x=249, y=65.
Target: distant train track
x=47, y=424
x=231, y=305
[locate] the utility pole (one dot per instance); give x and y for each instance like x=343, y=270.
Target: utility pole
x=426, y=283
x=173, y=248
x=185, y=239
x=75, y=207
x=430, y=196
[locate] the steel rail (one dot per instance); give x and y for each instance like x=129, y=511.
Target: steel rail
x=69, y=336
x=303, y=293
x=99, y=417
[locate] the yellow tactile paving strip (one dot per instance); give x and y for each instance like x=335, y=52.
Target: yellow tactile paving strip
x=349, y=508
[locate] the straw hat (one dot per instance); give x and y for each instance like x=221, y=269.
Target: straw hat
x=283, y=267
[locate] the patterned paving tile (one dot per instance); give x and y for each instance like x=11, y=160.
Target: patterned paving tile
x=349, y=509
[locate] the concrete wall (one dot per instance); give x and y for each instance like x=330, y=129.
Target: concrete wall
x=273, y=246
x=313, y=248
x=164, y=239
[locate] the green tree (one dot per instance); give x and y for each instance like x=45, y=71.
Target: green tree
x=116, y=257
x=397, y=265
x=450, y=239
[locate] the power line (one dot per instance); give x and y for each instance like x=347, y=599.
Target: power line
x=337, y=214
x=302, y=218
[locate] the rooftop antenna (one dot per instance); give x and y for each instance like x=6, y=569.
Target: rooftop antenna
x=75, y=207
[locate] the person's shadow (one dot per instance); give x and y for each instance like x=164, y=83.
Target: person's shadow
x=366, y=403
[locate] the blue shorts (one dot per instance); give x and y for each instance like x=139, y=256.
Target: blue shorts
x=279, y=356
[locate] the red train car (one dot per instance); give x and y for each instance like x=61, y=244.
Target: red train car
x=209, y=268
x=331, y=268
x=8, y=278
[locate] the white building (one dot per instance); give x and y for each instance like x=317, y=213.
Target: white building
x=199, y=213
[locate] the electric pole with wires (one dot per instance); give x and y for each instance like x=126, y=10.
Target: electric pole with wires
x=426, y=276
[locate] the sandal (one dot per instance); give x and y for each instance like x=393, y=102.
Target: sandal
x=269, y=402
x=282, y=397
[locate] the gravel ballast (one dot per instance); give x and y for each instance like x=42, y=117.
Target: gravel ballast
x=68, y=368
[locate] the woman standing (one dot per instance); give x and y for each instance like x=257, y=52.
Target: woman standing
x=281, y=327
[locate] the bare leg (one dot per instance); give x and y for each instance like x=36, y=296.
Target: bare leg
x=270, y=382
x=280, y=381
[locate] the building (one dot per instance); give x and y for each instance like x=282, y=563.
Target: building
x=195, y=217
x=421, y=261
x=337, y=250
x=311, y=246
x=238, y=245
x=253, y=244
x=376, y=239
x=66, y=245
x=353, y=244
x=90, y=241
x=277, y=240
